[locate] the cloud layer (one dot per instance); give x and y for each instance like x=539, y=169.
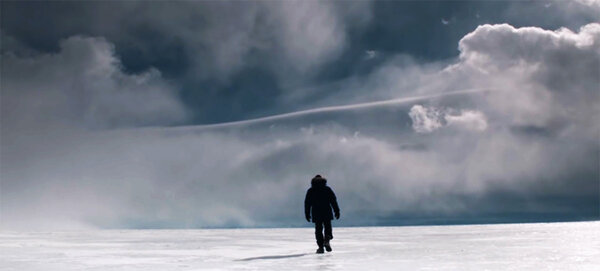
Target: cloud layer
x=525, y=150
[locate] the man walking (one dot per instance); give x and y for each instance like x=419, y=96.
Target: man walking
x=319, y=201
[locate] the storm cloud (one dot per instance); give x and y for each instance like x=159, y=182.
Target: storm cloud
x=84, y=85
x=504, y=131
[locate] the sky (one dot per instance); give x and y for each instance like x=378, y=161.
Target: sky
x=127, y=114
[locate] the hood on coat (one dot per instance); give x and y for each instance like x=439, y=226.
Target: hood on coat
x=318, y=181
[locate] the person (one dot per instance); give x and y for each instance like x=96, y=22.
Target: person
x=319, y=201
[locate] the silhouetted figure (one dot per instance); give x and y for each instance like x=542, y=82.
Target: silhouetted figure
x=319, y=201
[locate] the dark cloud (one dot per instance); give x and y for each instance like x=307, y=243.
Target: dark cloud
x=518, y=142
x=206, y=47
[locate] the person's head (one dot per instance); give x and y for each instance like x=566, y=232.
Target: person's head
x=318, y=181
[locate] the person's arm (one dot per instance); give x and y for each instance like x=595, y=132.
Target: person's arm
x=334, y=204
x=307, y=205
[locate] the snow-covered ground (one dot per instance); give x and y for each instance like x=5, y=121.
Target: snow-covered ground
x=560, y=246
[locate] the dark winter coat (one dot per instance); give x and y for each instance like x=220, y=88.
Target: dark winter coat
x=319, y=201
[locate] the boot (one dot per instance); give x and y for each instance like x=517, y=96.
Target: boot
x=320, y=250
x=327, y=245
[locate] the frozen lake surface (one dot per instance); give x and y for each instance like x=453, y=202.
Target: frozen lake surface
x=560, y=246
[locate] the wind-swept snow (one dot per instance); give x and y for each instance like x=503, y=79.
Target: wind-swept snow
x=559, y=246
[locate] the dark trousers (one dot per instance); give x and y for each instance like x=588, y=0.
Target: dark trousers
x=319, y=231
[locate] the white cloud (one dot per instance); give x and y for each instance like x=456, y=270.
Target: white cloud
x=500, y=46
x=547, y=76
x=468, y=119
x=429, y=119
x=311, y=32
x=425, y=120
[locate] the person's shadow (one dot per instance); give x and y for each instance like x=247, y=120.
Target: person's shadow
x=272, y=257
